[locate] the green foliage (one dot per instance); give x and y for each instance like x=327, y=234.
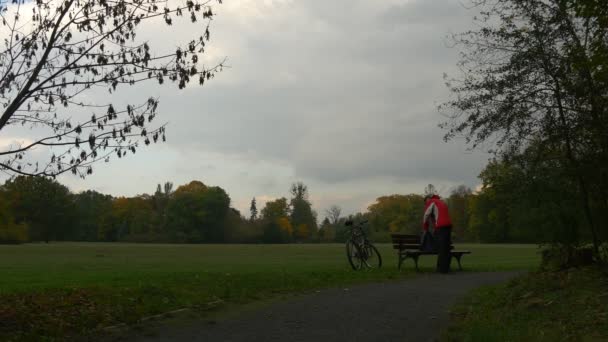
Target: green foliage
x=42, y=209
x=303, y=218
x=10, y=232
x=274, y=234
x=274, y=210
x=93, y=211
x=43, y=204
x=274, y=222
x=197, y=213
x=458, y=204
x=525, y=200
x=534, y=85
x=397, y=213
x=161, y=201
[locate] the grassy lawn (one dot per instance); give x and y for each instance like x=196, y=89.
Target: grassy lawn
x=570, y=305
x=75, y=288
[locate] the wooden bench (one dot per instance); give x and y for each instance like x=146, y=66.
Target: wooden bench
x=408, y=246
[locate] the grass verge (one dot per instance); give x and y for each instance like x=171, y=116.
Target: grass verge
x=569, y=305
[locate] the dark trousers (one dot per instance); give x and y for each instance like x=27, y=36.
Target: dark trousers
x=444, y=241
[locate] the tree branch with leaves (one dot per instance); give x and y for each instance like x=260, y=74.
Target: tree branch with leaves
x=57, y=53
x=534, y=77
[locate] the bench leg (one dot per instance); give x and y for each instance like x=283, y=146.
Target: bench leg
x=458, y=256
x=416, y=261
x=401, y=258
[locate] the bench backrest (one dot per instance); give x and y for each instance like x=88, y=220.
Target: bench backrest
x=405, y=241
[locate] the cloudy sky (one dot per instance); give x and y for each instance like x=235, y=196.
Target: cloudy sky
x=339, y=94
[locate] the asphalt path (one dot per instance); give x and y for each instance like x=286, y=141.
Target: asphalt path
x=414, y=309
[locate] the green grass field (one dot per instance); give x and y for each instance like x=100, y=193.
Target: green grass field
x=56, y=265
x=75, y=288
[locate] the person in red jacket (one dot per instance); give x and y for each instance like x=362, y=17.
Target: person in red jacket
x=436, y=213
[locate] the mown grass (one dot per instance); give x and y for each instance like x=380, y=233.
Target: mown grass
x=58, y=290
x=569, y=305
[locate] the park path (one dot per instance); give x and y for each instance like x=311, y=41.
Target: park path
x=414, y=309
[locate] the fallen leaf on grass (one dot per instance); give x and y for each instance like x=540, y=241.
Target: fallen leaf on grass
x=534, y=302
x=528, y=294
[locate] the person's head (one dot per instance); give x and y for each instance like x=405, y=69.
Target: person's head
x=429, y=192
x=428, y=197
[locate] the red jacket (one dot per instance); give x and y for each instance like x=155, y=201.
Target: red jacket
x=435, y=209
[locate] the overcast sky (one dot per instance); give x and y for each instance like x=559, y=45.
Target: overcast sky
x=339, y=94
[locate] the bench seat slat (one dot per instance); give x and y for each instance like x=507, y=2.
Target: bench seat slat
x=406, y=240
x=419, y=252
x=406, y=246
x=409, y=246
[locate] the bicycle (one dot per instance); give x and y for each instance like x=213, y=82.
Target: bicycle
x=359, y=250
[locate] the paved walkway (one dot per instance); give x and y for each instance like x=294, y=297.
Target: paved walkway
x=410, y=310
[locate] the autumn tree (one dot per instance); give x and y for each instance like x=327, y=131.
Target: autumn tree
x=286, y=228
x=61, y=57
x=459, y=212
x=274, y=210
x=11, y=232
x=397, y=213
x=303, y=218
x=131, y=219
x=276, y=225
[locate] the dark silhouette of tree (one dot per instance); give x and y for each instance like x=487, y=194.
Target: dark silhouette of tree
x=534, y=77
x=197, y=213
x=57, y=52
x=10, y=231
x=303, y=218
x=44, y=204
x=161, y=200
x=254, y=210
x=333, y=214
x=92, y=211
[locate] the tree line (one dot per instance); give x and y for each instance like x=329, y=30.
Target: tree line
x=505, y=209
x=34, y=208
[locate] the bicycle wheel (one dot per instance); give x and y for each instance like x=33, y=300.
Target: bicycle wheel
x=373, y=258
x=353, y=255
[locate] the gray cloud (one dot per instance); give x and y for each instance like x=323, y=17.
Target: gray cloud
x=340, y=94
